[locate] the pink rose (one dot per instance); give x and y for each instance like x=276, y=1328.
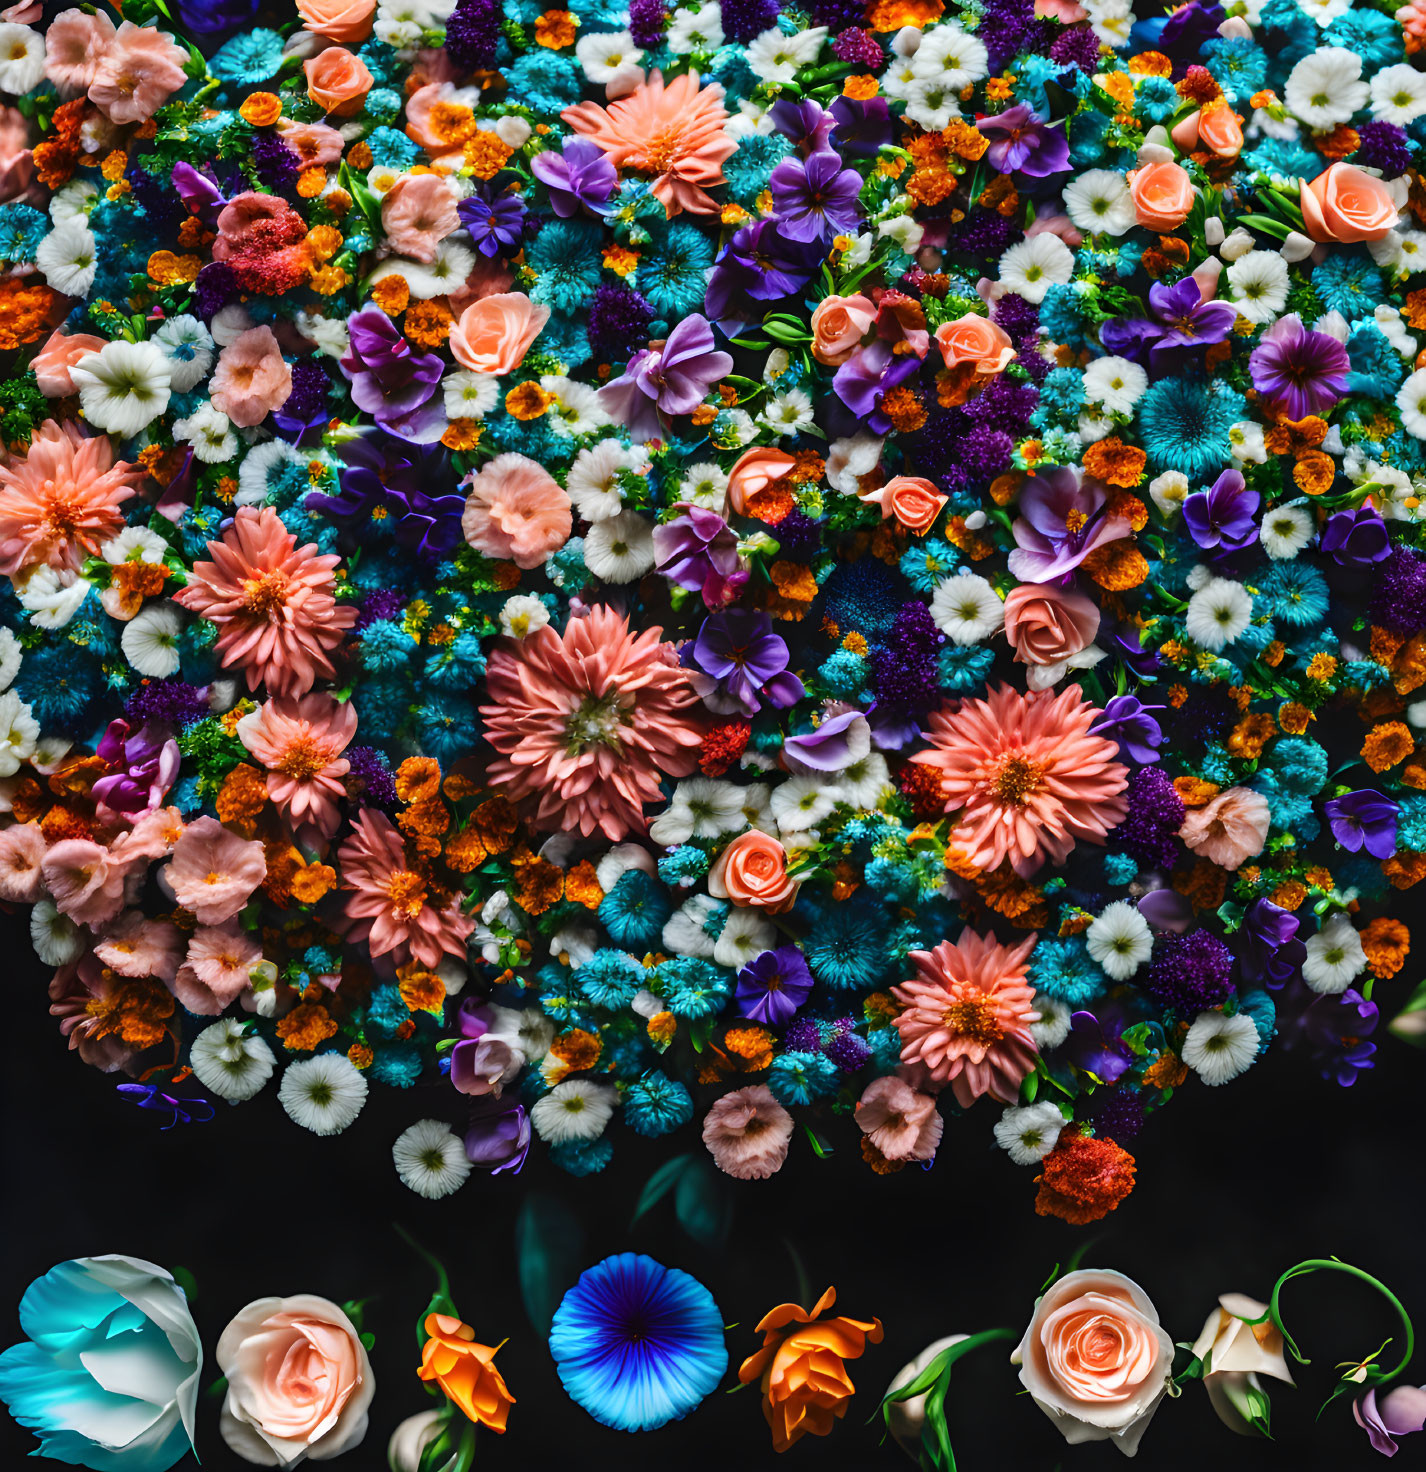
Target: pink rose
x=252, y=378
x=752, y=872
x=974, y=339
x=1162, y=195
x=1096, y=1359
x=299, y=1381
x=337, y=81
x=1046, y=625
x=838, y=325
x=516, y=511
x=418, y=212
x=493, y=334
x=911, y=499
x=1347, y=206
x=1231, y=830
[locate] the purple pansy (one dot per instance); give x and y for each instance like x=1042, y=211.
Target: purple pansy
x=1364, y=820
x=1063, y=518
x=815, y=198
x=1021, y=140
x=579, y=177
x=737, y=661
x=391, y=381
x=669, y=377
x=1222, y=517
x=772, y=987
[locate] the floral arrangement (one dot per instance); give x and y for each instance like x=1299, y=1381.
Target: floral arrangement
x=789, y=570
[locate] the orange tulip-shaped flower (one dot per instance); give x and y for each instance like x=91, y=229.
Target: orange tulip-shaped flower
x=803, y=1368
x=465, y=1370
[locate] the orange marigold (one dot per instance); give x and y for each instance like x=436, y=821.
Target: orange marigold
x=1083, y=1179
x=307, y=1026
x=1388, y=744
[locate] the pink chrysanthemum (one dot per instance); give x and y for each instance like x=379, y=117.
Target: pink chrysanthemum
x=272, y=602
x=1025, y=776
x=968, y=1014
x=588, y=723
x=390, y=906
x=300, y=743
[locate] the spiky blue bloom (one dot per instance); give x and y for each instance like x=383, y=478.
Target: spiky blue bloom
x=672, y=269
x=693, y=987
x=545, y=81
x=799, y=1078
x=398, y=1066
x=249, y=58
x=1348, y=282
x=583, y=1157
x=847, y=944
x=609, y=979
x=447, y=725
x=1062, y=969
x=962, y=667
x=635, y=911
x=1297, y=595
x=683, y=865
x=656, y=1104
x=1184, y=424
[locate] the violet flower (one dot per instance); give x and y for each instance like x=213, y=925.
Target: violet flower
x=1167, y=909
x=698, y=550
x=737, y=661
x=1182, y=324
x=839, y=741
x=666, y=378
x=1364, y=820
x=806, y=124
x=1399, y=1413
x=759, y=266
x=495, y=221
x=498, y=1138
x=391, y=381
x=179, y=1108
x=1022, y=140
x=198, y=192
x=394, y=476
x=863, y=126
x=1127, y=721
x=1269, y=949
x=1223, y=516
x=143, y=765
x=1302, y=371
x=1096, y=1043
x=481, y=1063
x=1063, y=518
x=1356, y=538
x=580, y=177
x=864, y=380
x=815, y=198
x=772, y=987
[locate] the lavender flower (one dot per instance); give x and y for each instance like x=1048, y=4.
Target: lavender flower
x=737, y=661
x=1304, y=372
x=390, y=380
x=774, y=986
x=816, y=198
x=1223, y=516
x=1022, y=140
x=671, y=377
x=580, y=177
x=1063, y=518
x=1364, y=820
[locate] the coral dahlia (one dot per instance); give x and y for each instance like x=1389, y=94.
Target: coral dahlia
x=588, y=721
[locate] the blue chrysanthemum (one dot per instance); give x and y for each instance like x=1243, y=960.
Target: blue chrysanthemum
x=637, y=1344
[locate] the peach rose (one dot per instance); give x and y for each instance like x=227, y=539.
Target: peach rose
x=838, y=325
x=1240, y=1353
x=337, y=81
x=346, y=21
x=755, y=471
x=1220, y=130
x=974, y=339
x=912, y=500
x=252, y=377
x=1347, y=205
x=1046, y=625
x=17, y=164
x=493, y=334
x=1096, y=1359
x=752, y=871
x=516, y=511
x=1162, y=195
x=418, y=212
x=59, y=354
x=1232, y=828
x=299, y=1381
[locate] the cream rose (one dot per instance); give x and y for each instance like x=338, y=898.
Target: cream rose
x=299, y=1381
x=906, y=1417
x=1095, y=1358
x=1236, y=1354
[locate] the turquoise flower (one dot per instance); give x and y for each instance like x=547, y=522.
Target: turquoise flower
x=656, y=1104
x=109, y=1379
x=673, y=270
x=565, y=257
x=249, y=58
x=1184, y=424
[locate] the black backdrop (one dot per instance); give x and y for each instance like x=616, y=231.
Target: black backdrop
x=1234, y=1185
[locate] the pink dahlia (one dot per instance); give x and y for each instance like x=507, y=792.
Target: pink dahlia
x=587, y=722
x=272, y=602
x=300, y=743
x=391, y=906
x=968, y=1015
x=1025, y=777
x=747, y=1132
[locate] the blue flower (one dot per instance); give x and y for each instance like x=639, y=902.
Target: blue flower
x=1348, y=283
x=635, y=910
x=637, y=1344
x=673, y=271
x=1184, y=424
x=96, y=1323
x=249, y=58
x=565, y=257
x=656, y=1104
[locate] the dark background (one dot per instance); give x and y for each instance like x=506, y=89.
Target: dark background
x=1235, y=1184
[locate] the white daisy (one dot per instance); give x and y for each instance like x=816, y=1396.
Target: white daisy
x=864, y=780
x=1169, y=491
x=695, y=30
x=150, y=640
x=687, y=931
x=703, y=484
x=803, y=801
x=1033, y=266
x=1259, y=281
x=1411, y=400
x=22, y=59
x=1218, y=613
x=323, y=1094
x=1402, y=251
x=56, y=938
x=430, y=1159
x=52, y=597
x=67, y=256
x=1335, y=957
x=19, y=733
x=1028, y=1134
x=952, y=57
x=621, y=549
x=931, y=104
x=1054, y=1024
x=1116, y=383
x=1324, y=12
x=701, y=807
x=134, y=544
x=1119, y=939
x=789, y=413
x=593, y=483
x=470, y=395
x=773, y=57
x=573, y=1110
x=1398, y=94
x=899, y=78
x=745, y=935
x=1326, y=88
x=1098, y=202
x=210, y=432
x=1285, y=531
x=757, y=802
x=1218, y=1047
x=230, y=1061
x=1246, y=443
x=610, y=60
x=967, y=609
x=11, y=657
x=188, y=346
x=905, y=230
x=522, y=615
x=124, y=386
x=575, y=408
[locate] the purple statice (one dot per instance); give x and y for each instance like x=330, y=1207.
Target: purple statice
x=1004, y=404
x=169, y=701
x=1019, y=319
x=380, y=603
x=1383, y=146
x=213, y=289
x=798, y=536
x=1150, y=832
x=859, y=49
x=370, y=777
x=845, y=1046
x=773, y=986
x=1077, y=47
x=745, y=20
x=309, y=389
x=646, y=18
x=473, y=34
x=815, y=198
x=1190, y=972
x=619, y=320
x=1399, y=594
x=986, y=453
x=1009, y=27
x=1023, y=142
x=985, y=233
x=1117, y=1114
x=938, y=449
x=1300, y=371
x=495, y=220
x=904, y=668
x=802, y=1036
x=274, y=162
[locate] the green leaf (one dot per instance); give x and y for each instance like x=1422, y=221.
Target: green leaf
x=549, y=1245
x=704, y=1204
x=658, y=1185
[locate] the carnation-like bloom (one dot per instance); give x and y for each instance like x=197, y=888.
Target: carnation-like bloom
x=59, y=502
x=300, y=743
x=672, y=135
x=587, y=723
x=1025, y=775
x=747, y=1133
x=272, y=602
x=967, y=1018
x=214, y=872
x=391, y=907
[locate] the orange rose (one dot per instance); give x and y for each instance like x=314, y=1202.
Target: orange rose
x=912, y=500
x=804, y=1377
x=338, y=20
x=977, y=340
x=752, y=871
x=1347, y=205
x=755, y=471
x=838, y=325
x=494, y=334
x=465, y=1370
x=337, y=81
x=1046, y=625
x=1220, y=129
x=1162, y=195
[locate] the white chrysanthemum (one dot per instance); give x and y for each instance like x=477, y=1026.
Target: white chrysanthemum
x=574, y=408
x=1054, y=1024
x=611, y=60
x=687, y=931
x=470, y=395
x=745, y=935
x=1326, y=88
x=134, y=544
x=931, y=104
x=1033, y=266
x=1218, y=1047
x=695, y=30
x=210, y=432
x=430, y=1159
x=1402, y=251
x=260, y=464
x=323, y=1094
x=703, y=484
x=1169, y=491
x=230, y=1061
x=1259, y=281
x=1099, y=203
x=864, y=780
x=851, y=458
x=952, y=57
x=701, y=807
x=803, y=801
x=12, y=655
x=52, y=597
x=1028, y=1134
x=68, y=258
x=967, y=609
x=124, y=386
x=789, y=413
x=773, y=57
x=1218, y=613
x=1411, y=400
x=1116, y=383
x=1119, y=940
x=621, y=549
x=188, y=346
x=593, y=481
x=1335, y=957
x=899, y=78
x=1285, y=531
x=150, y=640
x=22, y=59
x=522, y=615
x=19, y=733
x=56, y=938
x=1398, y=94
x=573, y=1110
x=72, y=201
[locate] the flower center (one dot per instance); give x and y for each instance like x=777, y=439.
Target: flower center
x=407, y=892
x=1017, y=778
x=301, y=760
x=598, y=721
x=974, y=1018
x=265, y=594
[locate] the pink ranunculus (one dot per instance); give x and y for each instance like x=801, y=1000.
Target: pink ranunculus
x=137, y=72
x=22, y=850
x=213, y=872
x=418, y=212
x=494, y=333
x=153, y=835
x=83, y=880
x=74, y=43
x=1231, y=829
x=252, y=378
x=215, y=971
x=516, y=511
x=136, y=946
x=900, y=1121
x=747, y=1132
x=60, y=353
